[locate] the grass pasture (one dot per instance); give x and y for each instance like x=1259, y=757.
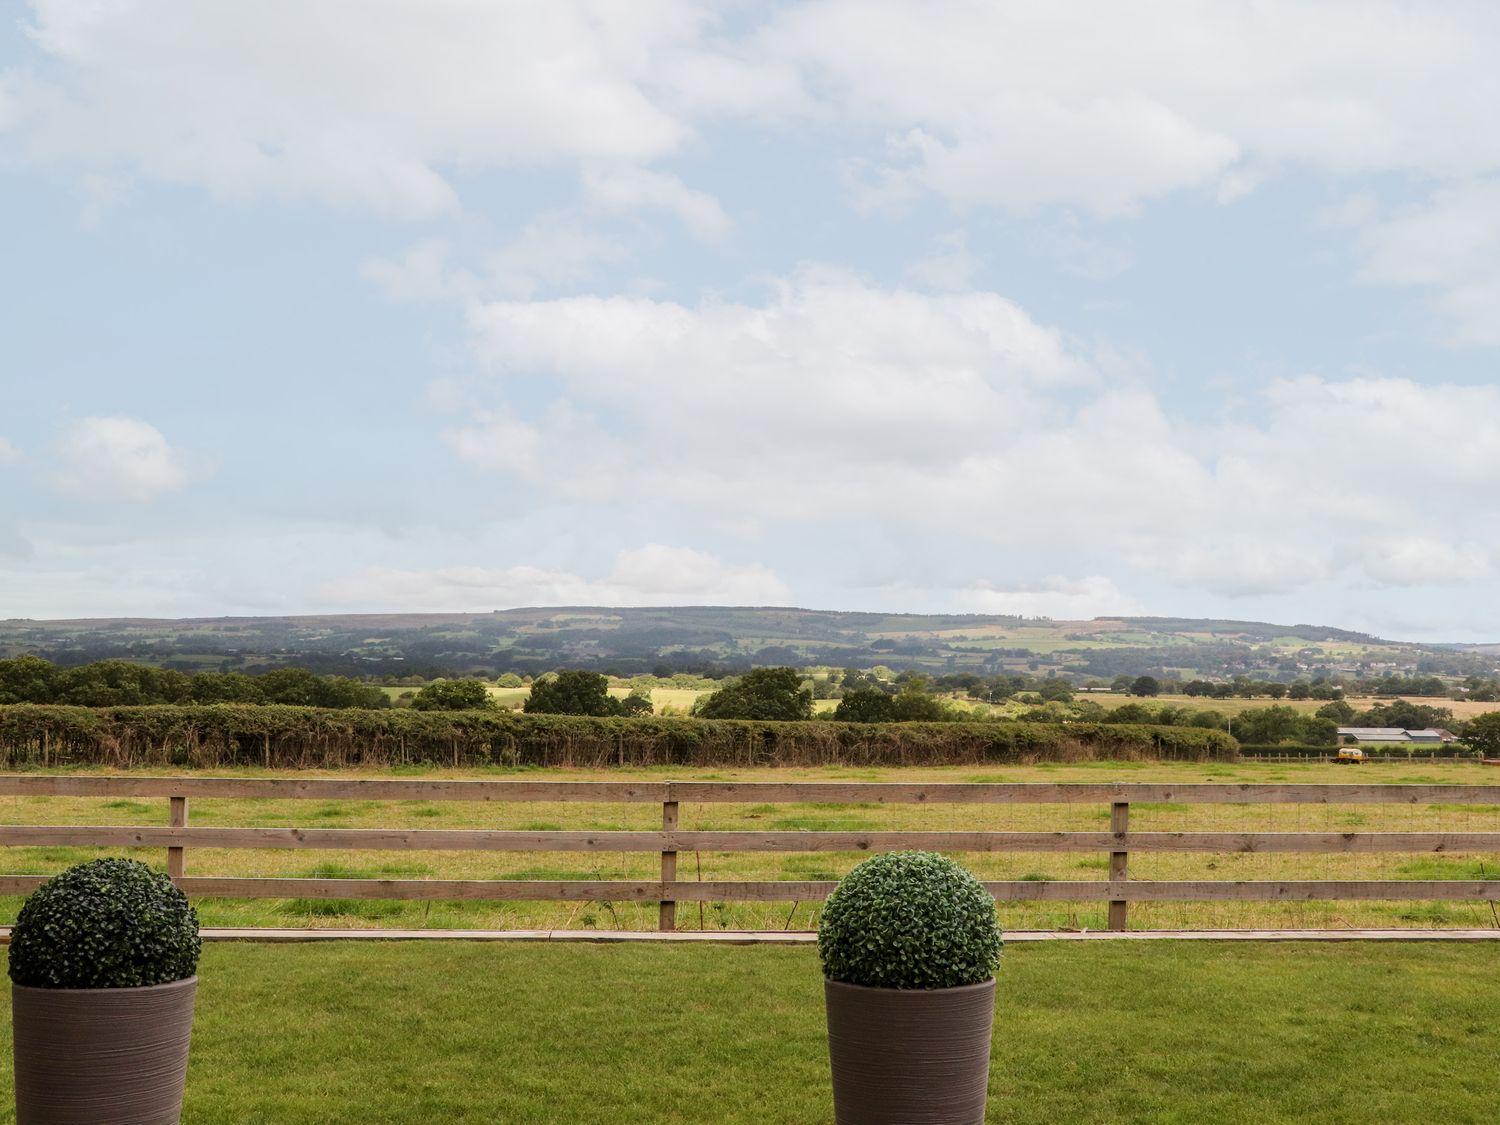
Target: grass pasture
x=388, y=1034
x=1041, y=866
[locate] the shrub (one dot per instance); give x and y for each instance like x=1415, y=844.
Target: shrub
x=909, y=920
x=774, y=694
x=453, y=695
x=109, y=923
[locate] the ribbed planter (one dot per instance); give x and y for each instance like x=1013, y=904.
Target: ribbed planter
x=909, y=1056
x=91, y=1056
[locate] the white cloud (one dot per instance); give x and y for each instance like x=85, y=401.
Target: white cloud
x=1078, y=254
x=1056, y=597
x=831, y=379
x=9, y=454
x=551, y=251
x=1419, y=561
x=949, y=267
x=1097, y=105
x=957, y=417
x=1450, y=243
x=117, y=458
x=359, y=107
x=422, y=274
x=649, y=575
x=634, y=189
x=1105, y=106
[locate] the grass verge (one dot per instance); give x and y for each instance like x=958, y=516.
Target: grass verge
x=532, y=1033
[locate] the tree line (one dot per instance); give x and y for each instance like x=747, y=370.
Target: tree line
x=124, y=683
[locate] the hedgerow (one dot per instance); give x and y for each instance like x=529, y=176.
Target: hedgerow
x=320, y=738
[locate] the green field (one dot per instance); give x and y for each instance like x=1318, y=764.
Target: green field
x=1066, y=866
x=664, y=700
x=390, y=1034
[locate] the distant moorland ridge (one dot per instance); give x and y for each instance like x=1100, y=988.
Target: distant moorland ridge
x=699, y=638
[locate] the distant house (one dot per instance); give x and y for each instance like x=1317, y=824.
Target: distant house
x=1395, y=735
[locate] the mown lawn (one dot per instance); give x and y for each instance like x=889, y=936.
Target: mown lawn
x=1165, y=1032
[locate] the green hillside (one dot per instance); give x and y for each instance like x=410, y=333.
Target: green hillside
x=708, y=637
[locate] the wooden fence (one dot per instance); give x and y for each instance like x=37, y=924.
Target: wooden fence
x=178, y=836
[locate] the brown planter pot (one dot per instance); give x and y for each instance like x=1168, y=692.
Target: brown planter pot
x=102, y=1056
x=909, y=1056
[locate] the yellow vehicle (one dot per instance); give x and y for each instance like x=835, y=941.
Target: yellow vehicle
x=1351, y=754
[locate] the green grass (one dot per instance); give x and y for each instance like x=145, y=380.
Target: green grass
x=634, y=1035
x=1174, y=816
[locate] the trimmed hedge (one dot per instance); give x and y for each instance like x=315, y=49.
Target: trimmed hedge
x=909, y=920
x=108, y=923
x=279, y=737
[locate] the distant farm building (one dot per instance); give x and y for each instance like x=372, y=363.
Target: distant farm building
x=1429, y=735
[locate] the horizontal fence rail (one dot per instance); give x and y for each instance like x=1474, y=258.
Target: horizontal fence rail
x=747, y=792
x=177, y=837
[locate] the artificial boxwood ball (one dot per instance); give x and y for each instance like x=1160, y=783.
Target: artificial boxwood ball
x=909, y=920
x=109, y=923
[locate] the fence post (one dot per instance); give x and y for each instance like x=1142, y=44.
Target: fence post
x=1119, y=822
x=668, y=916
x=176, y=860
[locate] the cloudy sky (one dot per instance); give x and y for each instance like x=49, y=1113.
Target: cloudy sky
x=1184, y=308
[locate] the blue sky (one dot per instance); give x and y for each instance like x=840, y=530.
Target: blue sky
x=1068, y=309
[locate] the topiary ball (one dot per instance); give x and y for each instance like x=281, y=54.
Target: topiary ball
x=909, y=920
x=109, y=923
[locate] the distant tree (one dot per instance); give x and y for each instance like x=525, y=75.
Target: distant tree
x=453, y=695
x=302, y=688
x=509, y=680
x=1276, y=691
x=120, y=683
x=572, y=692
x=1480, y=689
x=1483, y=734
x=637, y=703
x=764, y=693
x=27, y=679
x=1339, y=711
x=295, y=686
x=1299, y=690
x=913, y=704
x=1130, y=713
x=1056, y=688
x=227, y=687
x=1145, y=685
x=1271, y=725
x=864, y=705
x=1404, y=714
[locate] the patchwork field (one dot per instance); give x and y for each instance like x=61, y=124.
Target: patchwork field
x=389, y=1034
x=1041, y=866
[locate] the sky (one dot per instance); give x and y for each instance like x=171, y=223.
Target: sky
x=1054, y=308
